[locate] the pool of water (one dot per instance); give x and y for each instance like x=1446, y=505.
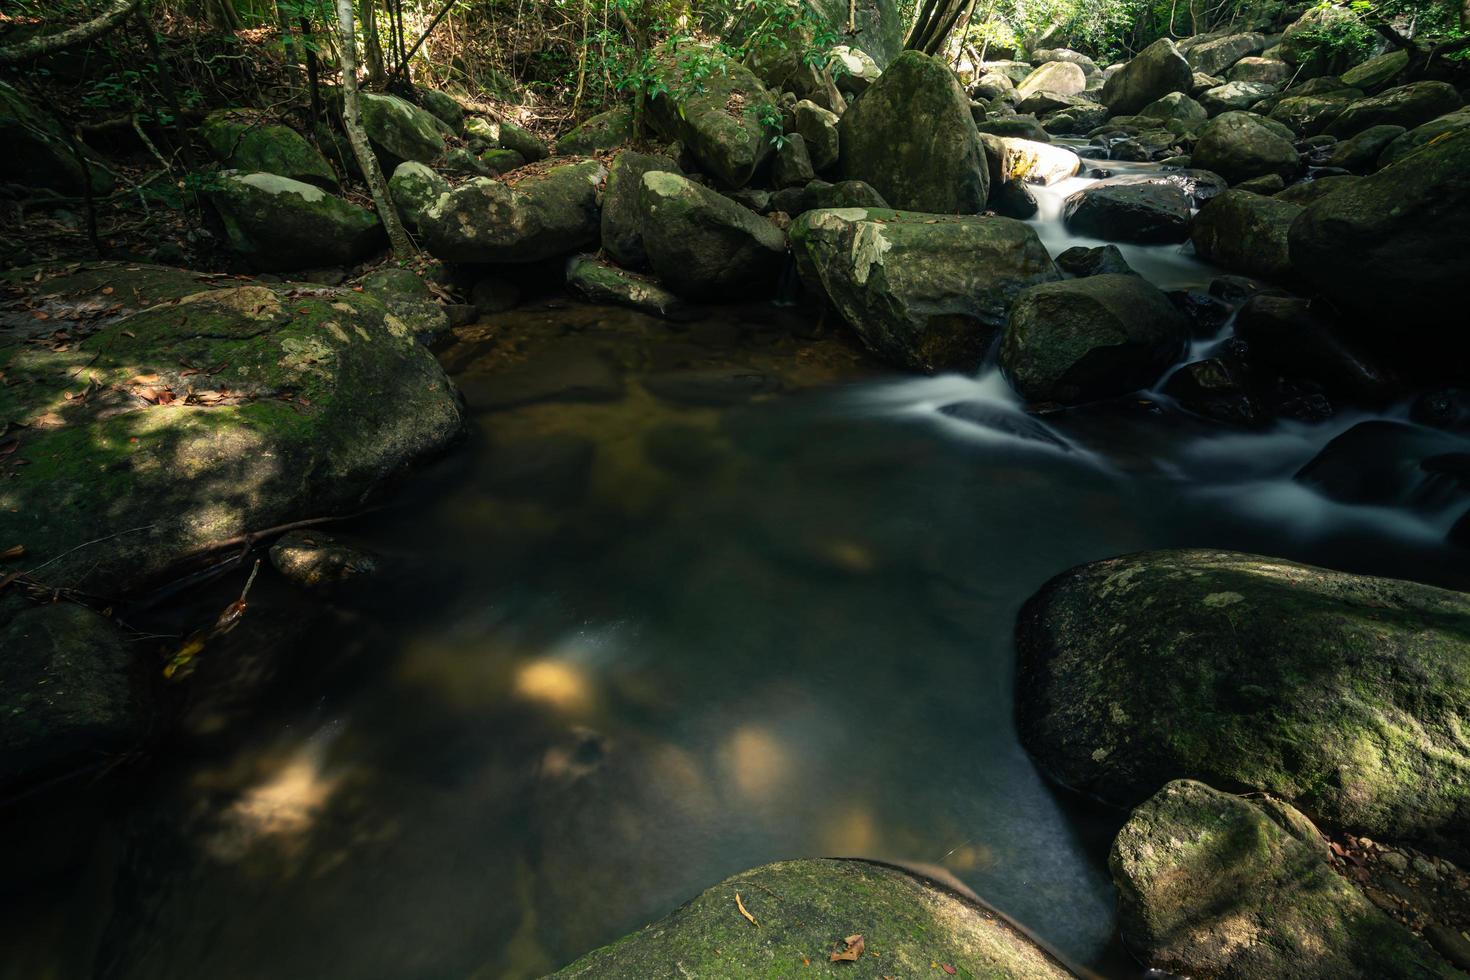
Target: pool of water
x=689, y=599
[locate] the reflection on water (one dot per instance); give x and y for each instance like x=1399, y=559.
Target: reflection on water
x=644, y=631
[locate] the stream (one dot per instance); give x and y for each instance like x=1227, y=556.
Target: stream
x=689, y=600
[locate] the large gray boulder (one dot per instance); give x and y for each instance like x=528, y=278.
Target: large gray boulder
x=1175, y=111
x=804, y=910
x=68, y=692
x=279, y=224
x=703, y=245
x=414, y=188
x=1344, y=695
x=1309, y=115
x=1130, y=209
x=1265, y=71
x=926, y=292
x=1407, y=106
x=1217, y=54
x=1198, y=870
x=1057, y=77
x=1423, y=135
x=911, y=136
x=1377, y=72
x=1241, y=145
x=1360, y=153
x=719, y=121
x=818, y=127
x=1157, y=70
x=244, y=140
x=1233, y=96
x=1246, y=233
x=399, y=130
x=622, y=205
x=1082, y=339
x=543, y=215
x=1394, y=243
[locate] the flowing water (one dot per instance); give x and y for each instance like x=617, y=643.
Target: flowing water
x=690, y=599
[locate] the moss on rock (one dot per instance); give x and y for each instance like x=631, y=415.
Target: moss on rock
x=243, y=140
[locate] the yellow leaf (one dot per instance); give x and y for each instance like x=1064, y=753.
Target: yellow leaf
x=743, y=911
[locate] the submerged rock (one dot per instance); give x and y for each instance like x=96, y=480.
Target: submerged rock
x=907, y=921
x=703, y=245
x=1213, y=885
x=280, y=224
x=1082, y=339
x=1246, y=233
x=1156, y=71
x=1342, y=694
x=542, y=215
x=314, y=560
x=1387, y=463
x=223, y=412
x=1080, y=261
x=68, y=695
x=911, y=136
x=926, y=292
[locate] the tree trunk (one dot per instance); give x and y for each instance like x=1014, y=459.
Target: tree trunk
x=372, y=45
x=352, y=122
x=48, y=43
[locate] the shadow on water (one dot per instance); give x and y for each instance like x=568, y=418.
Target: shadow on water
x=686, y=602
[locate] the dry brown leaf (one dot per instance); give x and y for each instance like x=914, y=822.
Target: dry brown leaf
x=144, y=379
x=852, y=952
x=14, y=551
x=744, y=911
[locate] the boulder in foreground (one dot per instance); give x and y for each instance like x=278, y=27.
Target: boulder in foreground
x=1213, y=885
x=907, y=921
x=1345, y=695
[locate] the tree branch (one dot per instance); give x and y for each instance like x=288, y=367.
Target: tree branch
x=49, y=43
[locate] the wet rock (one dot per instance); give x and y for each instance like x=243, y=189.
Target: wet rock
x=1392, y=244
x=1078, y=340
x=1156, y=71
x=317, y=561
x=792, y=164
x=242, y=140
x=1030, y=161
x=1246, y=233
x=543, y=215
x=1217, y=388
x=988, y=416
x=600, y=283
x=1240, y=145
x=398, y=130
x=280, y=224
x=711, y=387
x=1233, y=96
x=905, y=919
x=1012, y=199
x=1217, y=54
x=703, y=245
x=1130, y=209
x=1268, y=185
x=718, y=123
x=1341, y=694
x=68, y=696
x=1103, y=260
x=818, y=128
x=1443, y=408
x=1207, y=314
x=1290, y=335
x=1375, y=73
x=1387, y=463
x=923, y=291
x=312, y=400
x=1197, y=870
x=911, y=136
x=1407, y=106
x=621, y=222
x=604, y=131
x=414, y=187
x=1423, y=135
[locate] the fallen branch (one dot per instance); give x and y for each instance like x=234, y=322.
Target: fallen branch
x=82, y=33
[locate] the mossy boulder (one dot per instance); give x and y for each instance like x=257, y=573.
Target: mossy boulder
x=1215, y=55
x=280, y=224
x=1241, y=145
x=718, y=121
x=923, y=291
x=414, y=187
x=598, y=282
x=1057, y=77
x=1302, y=41
x=1377, y=72
x=819, y=128
x=443, y=106
x=1213, y=885
x=1393, y=244
x=911, y=136
x=399, y=130
x=878, y=26
x=506, y=135
x=622, y=205
x=1267, y=71
x=1360, y=153
x=36, y=153
x=604, y=131
x=1345, y=695
x=1246, y=233
x=68, y=692
x=244, y=140
x=1082, y=339
x=703, y=245
x=1234, y=96
x=804, y=911
x=1310, y=115
x=205, y=417
x=1407, y=106
x=540, y=216
x=1156, y=71
x=1423, y=135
